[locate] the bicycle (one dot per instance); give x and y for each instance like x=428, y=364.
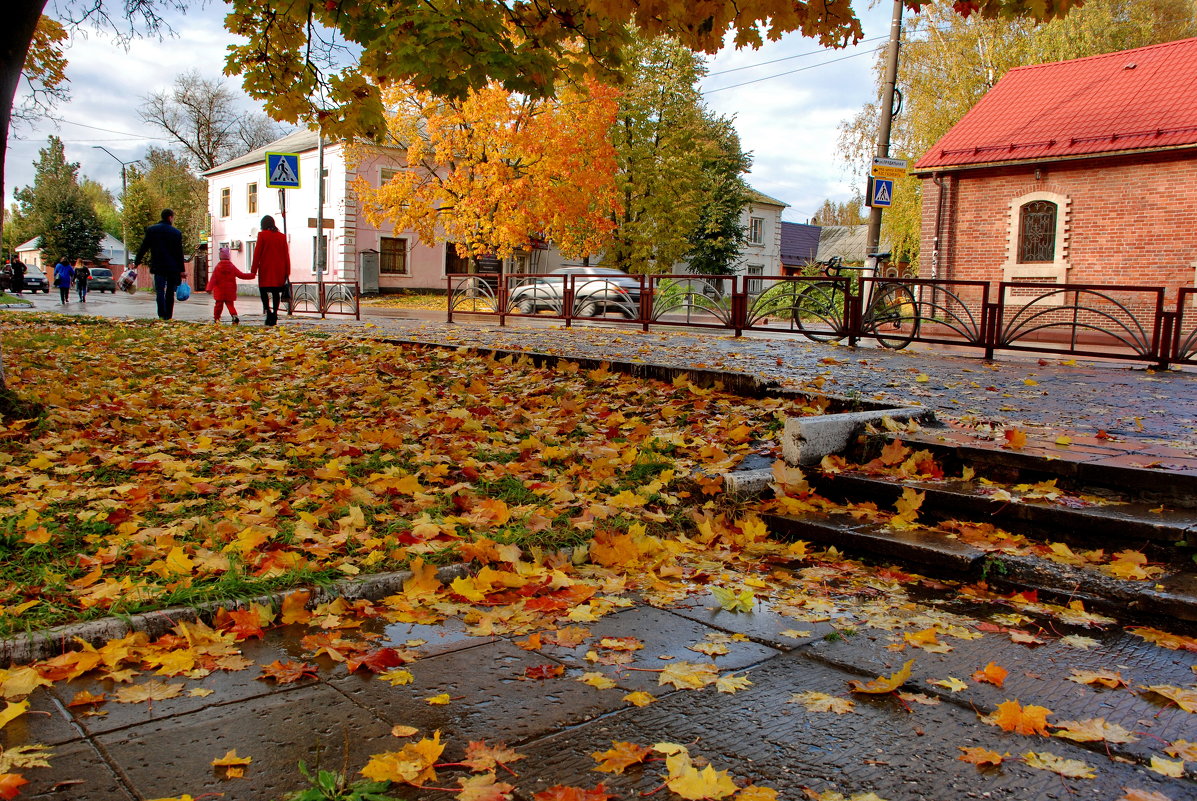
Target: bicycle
x=891, y=310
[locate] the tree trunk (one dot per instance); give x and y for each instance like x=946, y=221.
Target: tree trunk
x=15, y=36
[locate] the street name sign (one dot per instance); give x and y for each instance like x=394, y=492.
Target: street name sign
x=889, y=169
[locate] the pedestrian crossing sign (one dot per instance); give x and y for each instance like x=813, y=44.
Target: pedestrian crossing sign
x=282, y=170
x=881, y=192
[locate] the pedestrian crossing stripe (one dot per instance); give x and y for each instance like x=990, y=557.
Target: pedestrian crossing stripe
x=282, y=170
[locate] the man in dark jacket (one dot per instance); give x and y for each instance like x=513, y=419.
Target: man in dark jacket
x=165, y=245
x=18, y=275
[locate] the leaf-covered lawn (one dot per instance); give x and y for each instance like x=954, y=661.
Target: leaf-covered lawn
x=178, y=463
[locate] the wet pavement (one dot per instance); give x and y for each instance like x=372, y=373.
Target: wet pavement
x=1043, y=395
x=896, y=748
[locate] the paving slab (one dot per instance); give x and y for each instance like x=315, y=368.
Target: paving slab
x=172, y=756
x=226, y=686
x=79, y=773
x=879, y=747
x=491, y=698
x=46, y=722
x=666, y=637
x=1039, y=675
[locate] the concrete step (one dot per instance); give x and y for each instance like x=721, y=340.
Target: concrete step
x=1173, y=595
x=1120, y=525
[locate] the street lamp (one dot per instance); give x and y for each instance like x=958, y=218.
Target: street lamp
x=124, y=189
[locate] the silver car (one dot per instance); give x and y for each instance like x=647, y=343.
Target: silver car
x=597, y=291
x=101, y=280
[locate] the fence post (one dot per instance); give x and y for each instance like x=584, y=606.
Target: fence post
x=449, y=296
x=1167, y=343
x=853, y=313
x=990, y=320
x=739, y=308
x=567, y=300
x=501, y=298
x=646, y=301
x=322, y=300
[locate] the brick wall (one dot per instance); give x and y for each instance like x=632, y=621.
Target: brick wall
x=1130, y=220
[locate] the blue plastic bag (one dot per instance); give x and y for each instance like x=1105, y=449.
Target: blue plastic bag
x=183, y=292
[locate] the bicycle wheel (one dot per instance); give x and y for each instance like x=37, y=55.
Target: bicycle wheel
x=893, y=317
x=821, y=303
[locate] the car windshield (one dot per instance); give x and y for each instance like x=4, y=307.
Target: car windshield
x=100, y=272
x=34, y=272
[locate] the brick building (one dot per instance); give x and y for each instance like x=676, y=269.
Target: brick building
x=1078, y=172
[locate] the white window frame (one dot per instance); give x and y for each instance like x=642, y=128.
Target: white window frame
x=1054, y=271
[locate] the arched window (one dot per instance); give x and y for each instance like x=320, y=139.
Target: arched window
x=1037, y=232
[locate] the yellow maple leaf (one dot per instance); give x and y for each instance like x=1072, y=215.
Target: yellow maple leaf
x=423, y=580
x=1183, y=698
x=1184, y=749
x=484, y=787
x=640, y=698
x=1132, y=794
x=413, y=764
x=441, y=699
x=689, y=675
x=756, y=793
x=12, y=711
x=822, y=702
x=1092, y=730
x=734, y=600
x=883, y=684
x=230, y=759
x=1165, y=639
x=150, y=691
x=951, y=684
x=732, y=684
x=1069, y=768
x=597, y=680
x=694, y=784
x=397, y=677
x=1167, y=767
x=294, y=609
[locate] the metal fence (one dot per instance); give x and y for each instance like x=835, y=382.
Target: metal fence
x=1093, y=320
x=325, y=298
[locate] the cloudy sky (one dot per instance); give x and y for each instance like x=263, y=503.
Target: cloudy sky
x=787, y=98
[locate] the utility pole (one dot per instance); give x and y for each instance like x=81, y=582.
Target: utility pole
x=887, y=115
x=321, y=247
x=124, y=189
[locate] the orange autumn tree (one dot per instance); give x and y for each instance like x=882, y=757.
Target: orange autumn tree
x=496, y=170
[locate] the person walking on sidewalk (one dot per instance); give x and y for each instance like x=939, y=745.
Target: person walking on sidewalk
x=82, y=275
x=63, y=275
x=164, y=243
x=18, y=275
x=223, y=285
x=272, y=266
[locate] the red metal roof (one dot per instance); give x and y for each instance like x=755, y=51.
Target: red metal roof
x=1129, y=100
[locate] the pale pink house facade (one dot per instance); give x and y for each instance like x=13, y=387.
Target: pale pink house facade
x=238, y=198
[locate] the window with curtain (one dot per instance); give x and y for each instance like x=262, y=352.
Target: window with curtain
x=392, y=256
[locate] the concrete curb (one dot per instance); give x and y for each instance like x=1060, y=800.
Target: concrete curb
x=35, y=646
x=806, y=440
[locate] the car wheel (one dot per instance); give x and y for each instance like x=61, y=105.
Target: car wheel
x=588, y=308
x=527, y=306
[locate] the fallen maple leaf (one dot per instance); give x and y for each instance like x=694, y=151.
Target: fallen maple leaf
x=883, y=684
x=10, y=785
x=413, y=764
x=1106, y=678
x=1069, y=768
x=486, y=787
x=1013, y=716
x=951, y=684
x=991, y=674
x=1092, y=730
x=1167, y=767
x=84, y=698
x=481, y=757
x=544, y=671
x=731, y=684
x=734, y=600
x=289, y=672
x=150, y=691
x=442, y=699
x=1015, y=439
x=12, y=711
x=1130, y=794
x=640, y=698
x=981, y=757
x=1183, y=749
x=597, y=680
x=620, y=756
x=1185, y=699
x=1164, y=639
x=822, y=702
x=561, y=792
x=23, y=757
x=689, y=675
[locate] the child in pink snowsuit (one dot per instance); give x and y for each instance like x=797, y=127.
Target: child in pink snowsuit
x=223, y=285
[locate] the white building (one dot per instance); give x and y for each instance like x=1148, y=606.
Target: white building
x=238, y=198
x=111, y=250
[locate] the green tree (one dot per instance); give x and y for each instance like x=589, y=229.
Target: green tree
x=139, y=208
x=57, y=209
x=672, y=154
x=104, y=205
x=717, y=237
x=949, y=62
x=171, y=184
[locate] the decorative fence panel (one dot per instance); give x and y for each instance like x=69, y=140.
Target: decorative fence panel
x=325, y=298
x=1100, y=321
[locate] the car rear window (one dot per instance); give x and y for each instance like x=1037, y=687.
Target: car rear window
x=100, y=272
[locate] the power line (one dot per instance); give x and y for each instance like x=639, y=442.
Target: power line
x=110, y=130
x=789, y=72
x=787, y=58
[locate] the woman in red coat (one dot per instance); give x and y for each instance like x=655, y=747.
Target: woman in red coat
x=223, y=285
x=272, y=266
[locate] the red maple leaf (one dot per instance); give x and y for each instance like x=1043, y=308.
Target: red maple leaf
x=288, y=672
x=377, y=661
x=563, y=792
x=544, y=671
x=243, y=623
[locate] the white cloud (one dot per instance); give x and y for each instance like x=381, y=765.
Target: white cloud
x=790, y=123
